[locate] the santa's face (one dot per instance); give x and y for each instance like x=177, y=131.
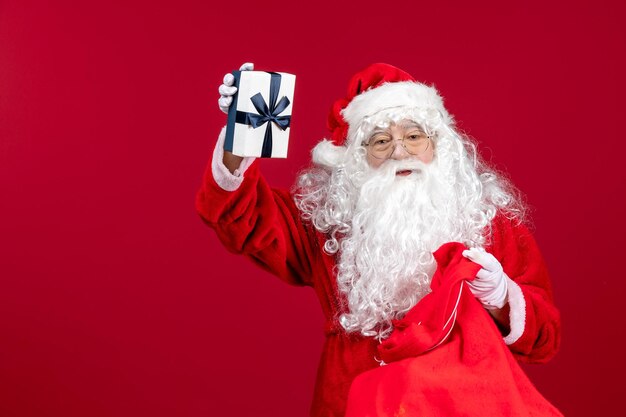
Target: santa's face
x=398, y=141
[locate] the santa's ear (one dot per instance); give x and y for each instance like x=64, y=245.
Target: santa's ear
x=327, y=154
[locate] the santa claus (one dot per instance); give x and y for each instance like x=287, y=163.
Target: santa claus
x=417, y=250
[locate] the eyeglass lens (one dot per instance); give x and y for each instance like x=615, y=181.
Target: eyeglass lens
x=382, y=145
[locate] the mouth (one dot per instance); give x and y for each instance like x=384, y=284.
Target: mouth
x=404, y=172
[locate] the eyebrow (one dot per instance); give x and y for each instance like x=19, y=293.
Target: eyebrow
x=408, y=124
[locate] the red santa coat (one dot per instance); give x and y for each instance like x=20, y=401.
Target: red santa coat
x=264, y=224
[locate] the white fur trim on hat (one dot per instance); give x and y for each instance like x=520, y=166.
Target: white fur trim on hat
x=388, y=95
x=402, y=95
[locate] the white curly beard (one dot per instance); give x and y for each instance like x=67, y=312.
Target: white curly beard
x=386, y=261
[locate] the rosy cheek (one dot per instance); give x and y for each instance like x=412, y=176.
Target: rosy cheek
x=427, y=158
x=373, y=162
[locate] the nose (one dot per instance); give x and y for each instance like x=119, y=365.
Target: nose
x=399, y=152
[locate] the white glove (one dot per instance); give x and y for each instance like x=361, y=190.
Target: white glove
x=491, y=283
x=227, y=91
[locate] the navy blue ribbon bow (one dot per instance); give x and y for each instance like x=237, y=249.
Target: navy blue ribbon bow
x=267, y=114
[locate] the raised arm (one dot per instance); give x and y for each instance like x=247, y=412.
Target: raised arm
x=249, y=217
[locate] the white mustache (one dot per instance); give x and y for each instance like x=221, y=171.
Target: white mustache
x=391, y=167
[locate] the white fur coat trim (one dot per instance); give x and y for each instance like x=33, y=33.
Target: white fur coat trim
x=517, y=315
x=221, y=174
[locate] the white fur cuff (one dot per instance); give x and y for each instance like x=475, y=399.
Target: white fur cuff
x=221, y=174
x=517, y=315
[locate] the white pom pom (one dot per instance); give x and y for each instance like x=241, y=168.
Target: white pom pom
x=327, y=154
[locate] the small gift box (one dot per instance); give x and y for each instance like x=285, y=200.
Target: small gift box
x=260, y=114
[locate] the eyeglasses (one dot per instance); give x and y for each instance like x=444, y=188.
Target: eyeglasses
x=381, y=145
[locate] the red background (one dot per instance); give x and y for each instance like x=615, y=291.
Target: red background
x=116, y=300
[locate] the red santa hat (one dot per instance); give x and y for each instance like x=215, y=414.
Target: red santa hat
x=373, y=91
